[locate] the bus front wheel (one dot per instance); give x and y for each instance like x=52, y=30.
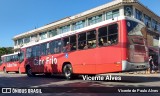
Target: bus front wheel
x=67, y=70
x=29, y=72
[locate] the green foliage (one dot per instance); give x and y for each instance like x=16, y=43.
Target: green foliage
x=6, y=50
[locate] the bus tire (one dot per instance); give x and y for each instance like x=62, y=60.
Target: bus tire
x=68, y=71
x=29, y=72
x=17, y=72
x=47, y=74
x=4, y=70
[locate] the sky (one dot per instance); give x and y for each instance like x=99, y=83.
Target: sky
x=19, y=16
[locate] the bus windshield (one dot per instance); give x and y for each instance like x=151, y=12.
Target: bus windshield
x=21, y=56
x=137, y=50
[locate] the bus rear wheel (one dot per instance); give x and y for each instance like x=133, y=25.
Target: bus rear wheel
x=67, y=70
x=47, y=74
x=29, y=72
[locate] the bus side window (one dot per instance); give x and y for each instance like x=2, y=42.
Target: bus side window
x=28, y=53
x=16, y=57
x=91, y=39
x=73, y=43
x=58, y=45
x=108, y=35
x=33, y=51
x=82, y=41
x=48, y=49
x=66, y=44
x=52, y=47
x=37, y=50
x=102, y=36
x=113, y=33
x=43, y=49
x=81, y=45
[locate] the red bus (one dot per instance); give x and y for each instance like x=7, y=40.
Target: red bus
x=108, y=46
x=10, y=63
x=1, y=64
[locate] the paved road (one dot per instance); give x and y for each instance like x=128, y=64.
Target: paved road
x=59, y=83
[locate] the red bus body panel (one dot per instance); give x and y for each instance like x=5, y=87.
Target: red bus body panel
x=90, y=61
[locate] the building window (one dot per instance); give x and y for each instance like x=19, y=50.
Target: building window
x=26, y=40
x=112, y=14
x=20, y=41
x=139, y=15
x=34, y=38
x=64, y=29
x=16, y=42
x=78, y=25
x=95, y=19
x=43, y=35
x=147, y=21
x=52, y=33
x=154, y=24
x=158, y=25
x=128, y=11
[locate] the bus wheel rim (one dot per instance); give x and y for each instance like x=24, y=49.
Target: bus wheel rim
x=68, y=71
x=29, y=71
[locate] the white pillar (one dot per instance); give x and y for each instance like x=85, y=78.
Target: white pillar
x=134, y=12
x=121, y=11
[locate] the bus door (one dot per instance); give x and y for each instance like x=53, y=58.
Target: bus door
x=15, y=62
x=8, y=63
x=37, y=58
x=41, y=56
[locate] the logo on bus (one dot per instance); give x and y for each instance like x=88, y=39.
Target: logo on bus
x=66, y=55
x=51, y=60
x=48, y=60
x=11, y=65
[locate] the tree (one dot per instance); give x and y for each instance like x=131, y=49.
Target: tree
x=6, y=50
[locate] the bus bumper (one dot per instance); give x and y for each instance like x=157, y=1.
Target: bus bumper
x=129, y=66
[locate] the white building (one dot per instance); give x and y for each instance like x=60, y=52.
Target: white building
x=114, y=9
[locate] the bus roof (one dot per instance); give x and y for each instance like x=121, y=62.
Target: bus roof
x=9, y=54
